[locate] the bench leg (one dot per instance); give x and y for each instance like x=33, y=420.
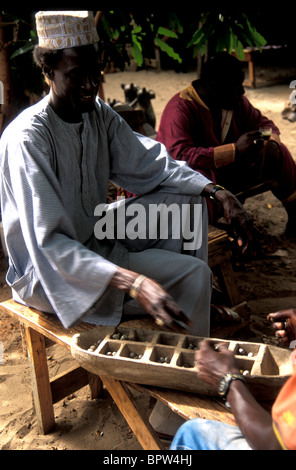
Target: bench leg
x=140, y=426
x=40, y=380
x=95, y=385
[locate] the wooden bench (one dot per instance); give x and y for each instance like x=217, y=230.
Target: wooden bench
x=39, y=328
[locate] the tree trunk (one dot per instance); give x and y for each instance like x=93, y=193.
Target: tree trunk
x=7, y=109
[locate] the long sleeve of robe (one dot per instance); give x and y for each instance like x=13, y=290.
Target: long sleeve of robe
x=53, y=175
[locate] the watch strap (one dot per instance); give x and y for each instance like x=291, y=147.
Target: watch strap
x=214, y=190
x=226, y=381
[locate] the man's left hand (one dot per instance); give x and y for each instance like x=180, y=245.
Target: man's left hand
x=238, y=220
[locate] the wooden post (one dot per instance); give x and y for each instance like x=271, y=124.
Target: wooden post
x=40, y=380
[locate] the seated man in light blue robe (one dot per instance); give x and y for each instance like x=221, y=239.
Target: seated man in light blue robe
x=57, y=158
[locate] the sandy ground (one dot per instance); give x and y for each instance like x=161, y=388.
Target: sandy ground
x=268, y=284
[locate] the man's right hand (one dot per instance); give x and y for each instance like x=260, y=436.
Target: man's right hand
x=160, y=305
x=212, y=364
x=153, y=298
x=250, y=141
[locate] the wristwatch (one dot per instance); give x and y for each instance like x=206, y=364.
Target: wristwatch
x=214, y=190
x=226, y=381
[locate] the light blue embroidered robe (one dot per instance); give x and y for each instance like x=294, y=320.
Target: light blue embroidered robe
x=54, y=174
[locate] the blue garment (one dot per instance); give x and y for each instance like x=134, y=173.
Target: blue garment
x=200, y=434
x=53, y=175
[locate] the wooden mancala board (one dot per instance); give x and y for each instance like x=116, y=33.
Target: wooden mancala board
x=163, y=359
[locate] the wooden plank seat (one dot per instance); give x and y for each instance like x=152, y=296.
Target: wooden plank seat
x=39, y=327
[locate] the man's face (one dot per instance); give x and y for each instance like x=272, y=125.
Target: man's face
x=75, y=80
x=229, y=91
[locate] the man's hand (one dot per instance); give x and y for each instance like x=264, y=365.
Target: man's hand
x=160, y=305
x=284, y=322
x=213, y=364
x=239, y=222
x=264, y=156
x=153, y=298
x=254, y=421
x=250, y=141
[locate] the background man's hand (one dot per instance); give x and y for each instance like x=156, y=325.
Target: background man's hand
x=250, y=141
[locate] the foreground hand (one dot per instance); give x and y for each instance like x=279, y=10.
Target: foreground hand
x=152, y=297
x=284, y=322
x=239, y=222
x=212, y=365
x=160, y=305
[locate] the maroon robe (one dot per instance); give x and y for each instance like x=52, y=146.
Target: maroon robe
x=188, y=131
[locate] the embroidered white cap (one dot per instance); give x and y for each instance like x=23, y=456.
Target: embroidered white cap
x=64, y=29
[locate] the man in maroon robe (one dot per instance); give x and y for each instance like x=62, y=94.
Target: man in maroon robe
x=214, y=128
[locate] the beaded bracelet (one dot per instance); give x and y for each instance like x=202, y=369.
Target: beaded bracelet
x=134, y=290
